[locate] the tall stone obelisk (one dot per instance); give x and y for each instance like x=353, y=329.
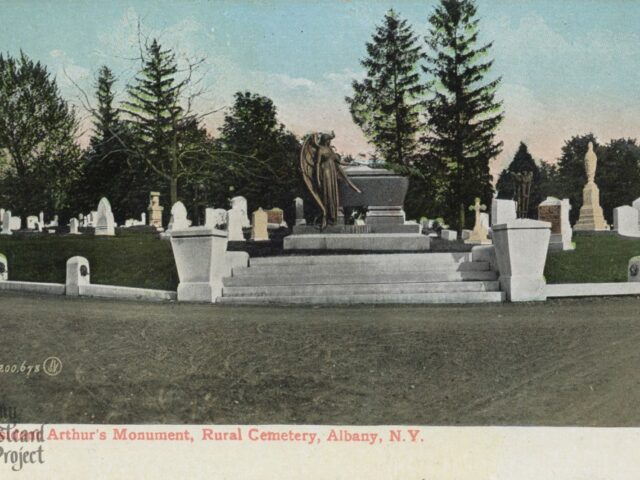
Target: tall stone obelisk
x=591, y=217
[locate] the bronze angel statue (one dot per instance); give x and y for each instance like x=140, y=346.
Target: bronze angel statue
x=321, y=168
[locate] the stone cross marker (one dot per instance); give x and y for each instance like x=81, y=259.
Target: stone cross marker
x=105, y=224
x=259, y=228
x=591, y=216
x=479, y=233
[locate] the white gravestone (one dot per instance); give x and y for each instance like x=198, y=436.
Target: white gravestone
x=6, y=223
x=503, y=211
x=450, y=235
x=104, y=223
x=15, y=223
x=41, y=218
x=4, y=268
x=240, y=203
x=179, y=216
x=556, y=212
x=625, y=221
x=299, y=206
x=234, y=225
x=215, y=217
x=32, y=222
x=73, y=226
x=1, y=215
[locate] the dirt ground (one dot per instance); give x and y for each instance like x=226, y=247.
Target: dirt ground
x=570, y=362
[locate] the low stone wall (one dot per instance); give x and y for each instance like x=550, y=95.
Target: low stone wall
x=78, y=284
x=592, y=289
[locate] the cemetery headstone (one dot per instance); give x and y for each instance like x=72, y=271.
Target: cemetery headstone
x=259, y=228
x=32, y=222
x=15, y=223
x=6, y=223
x=275, y=218
x=73, y=226
x=4, y=268
x=556, y=212
x=155, y=210
x=299, y=206
x=104, y=222
x=215, y=217
x=1, y=215
x=625, y=221
x=234, y=226
x=450, y=235
x=240, y=203
x=502, y=211
x=179, y=216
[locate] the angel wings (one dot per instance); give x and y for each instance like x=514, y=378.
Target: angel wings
x=321, y=169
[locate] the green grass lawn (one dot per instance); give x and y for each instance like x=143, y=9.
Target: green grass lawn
x=143, y=260
x=132, y=260
x=596, y=259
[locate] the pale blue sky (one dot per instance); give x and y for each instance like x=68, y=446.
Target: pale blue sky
x=568, y=67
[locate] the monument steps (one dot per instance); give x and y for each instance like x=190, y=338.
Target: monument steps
x=419, y=298
x=363, y=279
x=362, y=288
x=360, y=268
x=369, y=259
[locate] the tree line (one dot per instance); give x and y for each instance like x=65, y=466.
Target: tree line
x=153, y=140
x=428, y=106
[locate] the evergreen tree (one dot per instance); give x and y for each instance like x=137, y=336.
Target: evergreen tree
x=506, y=185
x=387, y=104
x=463, y=113
x=107, y=172
x=157, y=119
x=260, y=156
x=37, y=139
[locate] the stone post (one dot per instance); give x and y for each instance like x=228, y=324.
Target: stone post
x=633, y=272
x=521, y=252
x=4, y=268
x=78, y=275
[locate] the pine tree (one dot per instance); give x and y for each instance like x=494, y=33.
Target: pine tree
x=107, y=172
x=463, y=114
x=157, y=117
x=387, y=103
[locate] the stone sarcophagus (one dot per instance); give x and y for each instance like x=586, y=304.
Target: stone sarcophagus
x=382, y=193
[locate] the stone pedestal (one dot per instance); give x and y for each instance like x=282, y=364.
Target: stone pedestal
x=199, y=253
x=202, y=261
x=155, y=211
x=521, y=252
x=591, y=216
